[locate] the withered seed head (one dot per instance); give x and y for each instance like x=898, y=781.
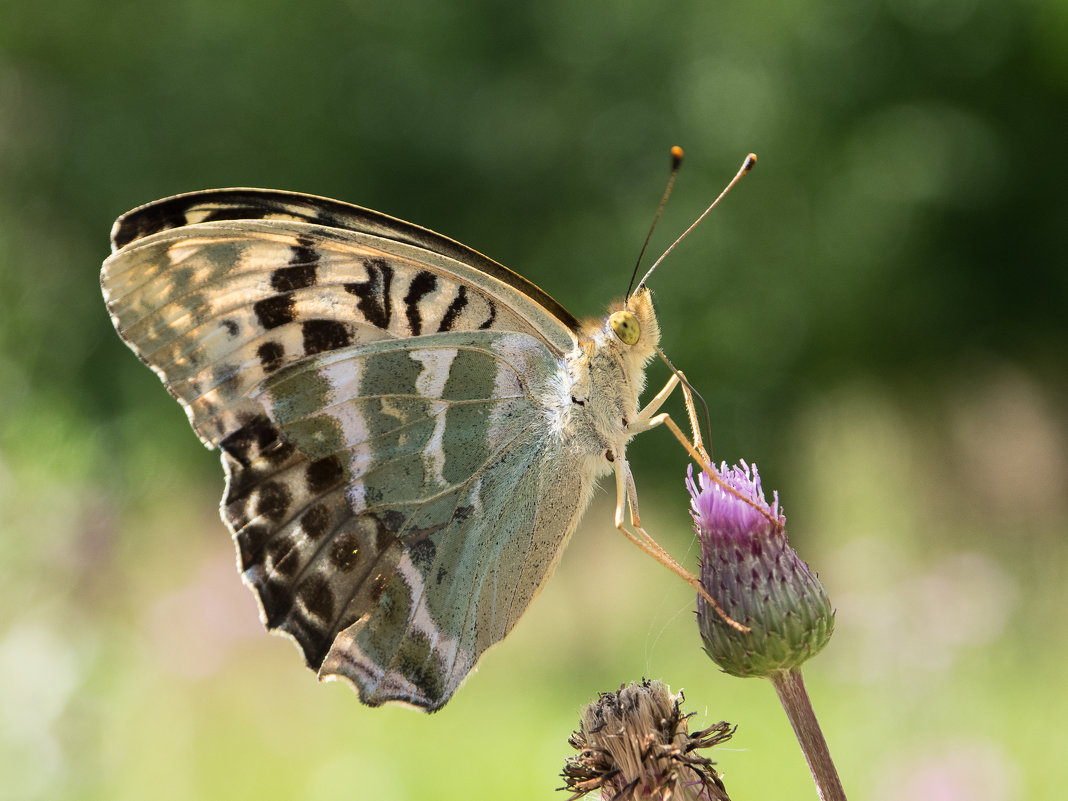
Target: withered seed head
x=635, y=744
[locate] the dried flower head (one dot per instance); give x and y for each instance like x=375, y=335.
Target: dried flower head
x=749, y=568
x=635, y=744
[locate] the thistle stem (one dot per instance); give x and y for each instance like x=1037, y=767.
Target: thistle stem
x=794, y=697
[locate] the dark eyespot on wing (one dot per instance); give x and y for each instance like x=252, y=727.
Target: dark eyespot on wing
x=374, y=293
x=316, y=596
x=273, y=501
x=275, y=311
x=283, y=555
x=147, y=220
x=492, y=316
x=253, y=541
x=271, y=355
x=422, y=285
x=459, y=303
x=315, y=522
x=324, y=335
x=256, y=437
x=344, y=552
x=301, y=271
x=324, y=474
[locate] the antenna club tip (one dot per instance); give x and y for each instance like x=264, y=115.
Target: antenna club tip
x=750, y=162
x=676, y=156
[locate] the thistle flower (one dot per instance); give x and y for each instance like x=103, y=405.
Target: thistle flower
x=749, y=568
x=634, y=744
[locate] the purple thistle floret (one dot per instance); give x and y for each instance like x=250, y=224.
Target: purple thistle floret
x=748, y=566
x=713, y=508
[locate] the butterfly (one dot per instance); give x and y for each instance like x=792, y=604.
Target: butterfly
x=410, y=431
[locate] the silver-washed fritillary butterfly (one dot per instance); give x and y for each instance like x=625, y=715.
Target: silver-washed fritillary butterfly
x=410, y=431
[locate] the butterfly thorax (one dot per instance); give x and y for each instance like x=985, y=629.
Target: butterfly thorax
x=601, y=381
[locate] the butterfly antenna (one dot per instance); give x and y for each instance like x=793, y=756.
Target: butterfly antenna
x=747, y=165
x=676, y=162
x=693, y=391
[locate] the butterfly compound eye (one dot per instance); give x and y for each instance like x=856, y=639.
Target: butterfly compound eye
x=625, y=327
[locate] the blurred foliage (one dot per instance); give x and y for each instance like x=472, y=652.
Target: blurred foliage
x=876, y=315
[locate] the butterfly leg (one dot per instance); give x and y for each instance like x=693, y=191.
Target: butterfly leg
x=648, y=418
x=653, y=406
x=626, y=494
x=698, y=454
x=695, y=427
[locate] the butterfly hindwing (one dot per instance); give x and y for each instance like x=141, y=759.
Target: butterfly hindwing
x=457, y=501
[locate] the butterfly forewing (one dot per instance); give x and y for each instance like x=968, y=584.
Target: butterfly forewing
x=387, y=417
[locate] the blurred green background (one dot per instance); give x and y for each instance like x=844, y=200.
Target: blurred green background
x=876, y=316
